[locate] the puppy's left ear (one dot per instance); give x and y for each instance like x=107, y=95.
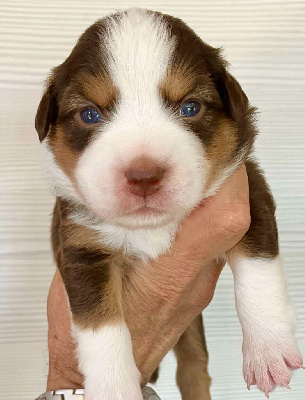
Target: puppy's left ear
x=234, y=99
x=47, y=111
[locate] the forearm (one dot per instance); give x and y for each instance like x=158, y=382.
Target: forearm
x=63, y=366
x=160, y=325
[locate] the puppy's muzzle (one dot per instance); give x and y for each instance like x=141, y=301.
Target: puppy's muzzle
x=144, y=176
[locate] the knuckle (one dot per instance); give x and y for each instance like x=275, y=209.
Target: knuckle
x=237, y=220
x=171, y=291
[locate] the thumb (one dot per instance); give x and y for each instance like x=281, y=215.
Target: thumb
x=219, y=223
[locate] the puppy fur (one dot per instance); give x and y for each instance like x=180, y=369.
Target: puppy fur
x=137, y=68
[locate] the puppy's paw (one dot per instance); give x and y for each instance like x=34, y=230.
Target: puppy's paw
x=268, y=363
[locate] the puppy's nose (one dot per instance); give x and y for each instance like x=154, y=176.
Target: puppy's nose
x=144, y=176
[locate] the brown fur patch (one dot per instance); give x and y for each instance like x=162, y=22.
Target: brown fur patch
x=261, y=240
x=90, y=272
x=83, y=60
x=109, y=308
x=221, y=149
x=66, y=158
x=192, y=373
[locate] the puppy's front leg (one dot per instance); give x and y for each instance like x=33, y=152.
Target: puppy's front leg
x=104, y=346
x=269, y=347
x=107, y=363
x=266, y=315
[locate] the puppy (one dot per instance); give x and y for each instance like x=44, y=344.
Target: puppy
x=138, y=126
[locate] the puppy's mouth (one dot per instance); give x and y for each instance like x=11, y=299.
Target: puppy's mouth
x=143, y=216
x=145, y=211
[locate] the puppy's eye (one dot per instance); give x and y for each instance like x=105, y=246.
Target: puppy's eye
x=90, y=116
x=190, y=108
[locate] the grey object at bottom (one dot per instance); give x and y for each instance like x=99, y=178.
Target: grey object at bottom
x=149, y=394
x=78, y=394
x=64, y=394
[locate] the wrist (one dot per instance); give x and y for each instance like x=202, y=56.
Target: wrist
x=63, y=367
x=151, y=314
x=62, y=377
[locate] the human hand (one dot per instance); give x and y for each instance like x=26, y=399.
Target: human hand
x=163, y=296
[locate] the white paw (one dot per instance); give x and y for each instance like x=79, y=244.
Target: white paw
x=268, y=363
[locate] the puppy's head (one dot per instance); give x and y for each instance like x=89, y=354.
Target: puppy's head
x=142, y=121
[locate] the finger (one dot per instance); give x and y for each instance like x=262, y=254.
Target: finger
x=219, y=223
x=235, y=190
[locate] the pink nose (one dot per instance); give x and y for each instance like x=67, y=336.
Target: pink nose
x=144, y=176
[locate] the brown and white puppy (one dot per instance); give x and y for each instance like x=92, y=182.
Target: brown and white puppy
x=138, y=126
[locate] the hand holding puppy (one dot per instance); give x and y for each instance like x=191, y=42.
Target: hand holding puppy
x=187, y=277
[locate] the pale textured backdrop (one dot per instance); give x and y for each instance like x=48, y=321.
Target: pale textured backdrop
x=264, y=41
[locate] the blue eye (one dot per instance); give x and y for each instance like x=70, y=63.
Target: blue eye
x=190, y=108
x=90, y=116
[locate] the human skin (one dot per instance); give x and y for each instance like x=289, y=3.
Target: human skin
x=163, y=296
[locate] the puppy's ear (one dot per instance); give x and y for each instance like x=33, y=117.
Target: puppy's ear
x=47, y=110
x=234, y=99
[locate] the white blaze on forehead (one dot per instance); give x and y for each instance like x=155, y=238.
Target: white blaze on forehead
x=140, y=48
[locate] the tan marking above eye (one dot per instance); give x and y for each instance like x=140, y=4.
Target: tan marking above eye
x=176, y=84
x=182, y=84
x=99, y=89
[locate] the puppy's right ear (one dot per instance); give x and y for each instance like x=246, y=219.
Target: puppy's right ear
x=47, y=111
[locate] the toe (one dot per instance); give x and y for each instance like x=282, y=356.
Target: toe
x=294, y=360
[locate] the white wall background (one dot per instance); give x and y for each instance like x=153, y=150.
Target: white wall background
x=264, y=41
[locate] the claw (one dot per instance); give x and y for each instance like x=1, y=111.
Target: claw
x=287, y=387
x=267, y=395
